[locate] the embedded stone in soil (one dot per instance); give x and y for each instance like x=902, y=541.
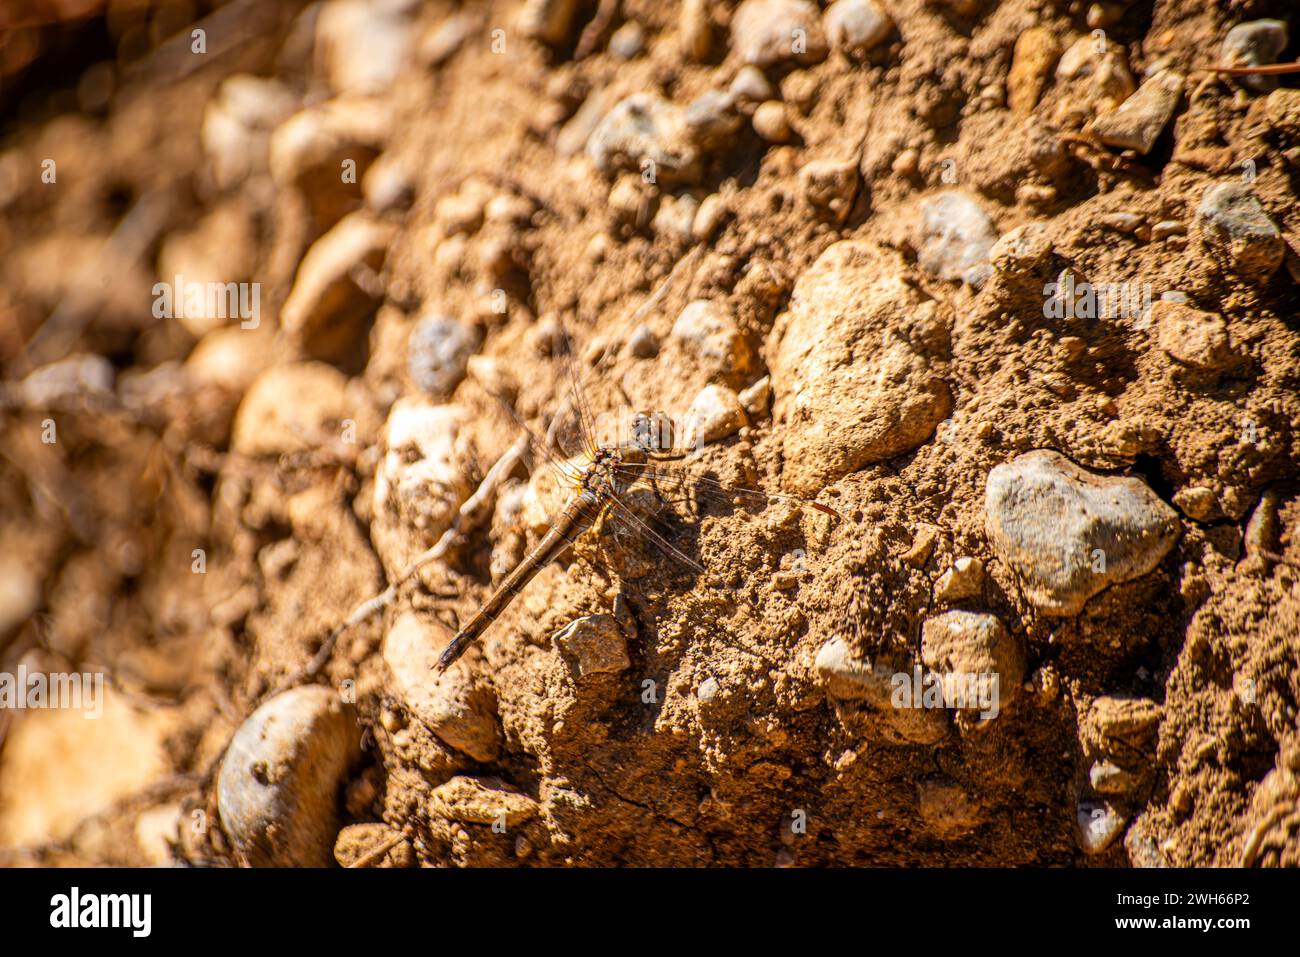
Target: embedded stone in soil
x=1069, y=533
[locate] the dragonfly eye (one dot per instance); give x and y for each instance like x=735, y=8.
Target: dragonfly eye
x=652, y=432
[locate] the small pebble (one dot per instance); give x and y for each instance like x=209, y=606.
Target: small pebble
x=712, y=120
x=593, y=645
x=848, y=678
x=922, y=546
x=857, y=26
x=1263, y=530
x=387, y=185
x=784, y=580
x=509, y=209
x=1099, y=78
x=715, y=414
x=362, y=48
x=549, y=21
x=1236, y=229
x=907, y=163
x=628, y=41
x=1197, y=503
x=328, y=308
x=799, y=89
x=485, y=800
x=1099, y=824
x=770, y=122
x=1256, y=43
x=1036, y=52
x=574, y=135
x=420, y=480
x=1195, y=338
x=675, y=218
x=1137, y=123
x=1107, y=777
x=1022, y=251
x=646, y=134
x=1102, y=15
x=1070, y=533
x=451, y=705
x=965, y=579
x=966, y=644
x=441, y=42
x=955, y=234
x=1121, y=725
x=438, y=352
x=708, y=332
x=751, y=87
x=632, y=202
x=767, y=32
x=1036, y=194
x=643, y=343
x=695, y=32
x=78, y=377
x=712, y=211
x=755, y=399
x=460, y=212
x=278, y=786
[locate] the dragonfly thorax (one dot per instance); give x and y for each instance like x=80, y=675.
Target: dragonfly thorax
x=606, y=473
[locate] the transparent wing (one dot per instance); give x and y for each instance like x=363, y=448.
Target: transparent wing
x=641, y=519
x=656, y=519
x=573, y=426
x=542, y=448
x=705, y=492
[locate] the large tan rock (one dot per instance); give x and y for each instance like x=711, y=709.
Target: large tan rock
x=853, y=366
x=1070, y=533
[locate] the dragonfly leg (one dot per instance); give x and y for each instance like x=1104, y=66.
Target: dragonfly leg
x=666, y=500
x=598, y=538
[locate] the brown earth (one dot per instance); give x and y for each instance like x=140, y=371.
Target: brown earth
x=718, y=739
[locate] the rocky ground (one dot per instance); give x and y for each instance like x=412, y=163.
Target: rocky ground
x=1009, y=287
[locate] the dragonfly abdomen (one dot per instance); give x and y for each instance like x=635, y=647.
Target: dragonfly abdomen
x=577, y=516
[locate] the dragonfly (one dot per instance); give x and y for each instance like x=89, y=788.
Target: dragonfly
x=603, y=482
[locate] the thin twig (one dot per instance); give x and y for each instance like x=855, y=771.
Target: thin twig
x=1250, y=852
x=1273, y=69
x=470, y=514
x=376, y=854
x=595, y=31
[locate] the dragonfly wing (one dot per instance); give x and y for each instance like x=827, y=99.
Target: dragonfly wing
x=704, y=492
x=653, y=527
x=573, y=426
x=577, y=428
x=642, y=531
